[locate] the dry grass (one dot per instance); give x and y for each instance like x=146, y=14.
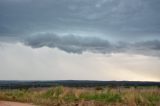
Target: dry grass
x=64, y=96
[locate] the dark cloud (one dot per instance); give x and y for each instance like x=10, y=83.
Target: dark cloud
x=133, y=22
x=121, y=19
x=78, y=44
x=69, y=43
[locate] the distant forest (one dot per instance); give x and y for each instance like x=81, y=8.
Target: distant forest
x=72, y=83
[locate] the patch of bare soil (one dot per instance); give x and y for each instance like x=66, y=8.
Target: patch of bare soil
x=7, y=103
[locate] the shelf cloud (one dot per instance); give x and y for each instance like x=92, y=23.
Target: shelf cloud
x=78, y=44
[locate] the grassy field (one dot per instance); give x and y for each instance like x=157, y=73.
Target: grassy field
x=97, y=96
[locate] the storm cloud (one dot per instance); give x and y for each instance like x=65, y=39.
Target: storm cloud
x=79, y=44
x=75, y=26
x=119, y=19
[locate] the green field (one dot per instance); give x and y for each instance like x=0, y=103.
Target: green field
x=96, y=96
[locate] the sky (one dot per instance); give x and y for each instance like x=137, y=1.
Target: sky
x=80, y=40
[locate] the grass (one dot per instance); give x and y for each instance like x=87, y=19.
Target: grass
x=64, y=96
x=104, y=96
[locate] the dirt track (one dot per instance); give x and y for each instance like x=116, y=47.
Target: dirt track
x=7, y=103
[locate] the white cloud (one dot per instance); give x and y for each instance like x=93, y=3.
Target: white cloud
x=20, y=62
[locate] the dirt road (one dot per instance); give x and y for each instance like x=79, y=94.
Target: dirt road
x=7, y=103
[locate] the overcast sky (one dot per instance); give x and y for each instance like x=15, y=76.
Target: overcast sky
x=80, y=40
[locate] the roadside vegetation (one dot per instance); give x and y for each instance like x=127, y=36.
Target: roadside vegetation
x=97, y=96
